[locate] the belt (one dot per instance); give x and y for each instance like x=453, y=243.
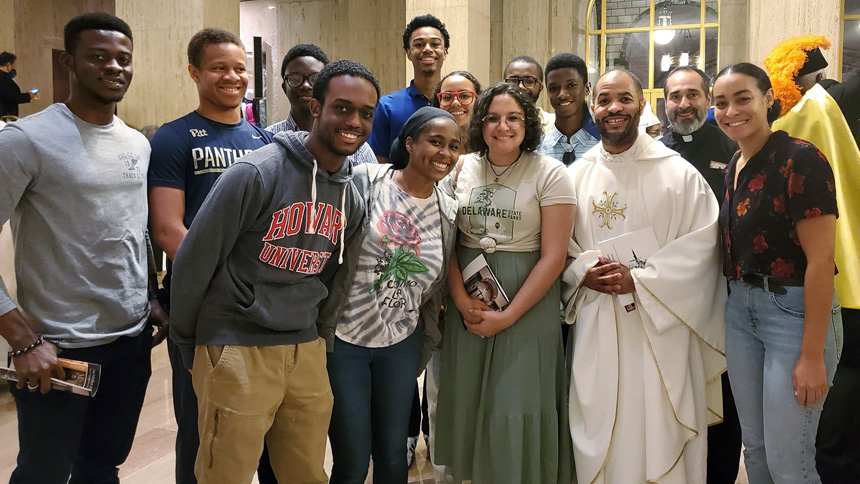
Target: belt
x=775, y=285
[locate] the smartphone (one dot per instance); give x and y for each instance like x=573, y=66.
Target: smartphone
x=34, y=91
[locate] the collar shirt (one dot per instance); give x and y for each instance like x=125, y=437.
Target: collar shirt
x=709, y=150
x=556, y=144
x=787, y=181
x=288, y=124
x=391, y=114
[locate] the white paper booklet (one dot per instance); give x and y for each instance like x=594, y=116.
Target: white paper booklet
x=633, y=250
x=482, y=284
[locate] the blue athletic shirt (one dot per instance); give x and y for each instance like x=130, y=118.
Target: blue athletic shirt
x=191, y=152
x=391, y=114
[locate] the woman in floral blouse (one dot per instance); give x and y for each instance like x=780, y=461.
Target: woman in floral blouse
x=783, y=329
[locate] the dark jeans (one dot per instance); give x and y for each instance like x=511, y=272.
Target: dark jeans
x=373, y=389
x=62, y=434
x=838, y=444
x=724, y=441
x=187, y=436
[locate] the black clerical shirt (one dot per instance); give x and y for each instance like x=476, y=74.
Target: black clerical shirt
x=709, y=150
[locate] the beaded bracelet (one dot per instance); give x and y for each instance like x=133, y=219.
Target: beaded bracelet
x=20, y=352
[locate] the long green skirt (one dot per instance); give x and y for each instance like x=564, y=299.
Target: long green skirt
x=502, y=408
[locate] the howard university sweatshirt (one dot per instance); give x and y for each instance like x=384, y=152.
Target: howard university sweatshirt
x=251, y=270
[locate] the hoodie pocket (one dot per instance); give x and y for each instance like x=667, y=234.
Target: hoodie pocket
x=286, y=307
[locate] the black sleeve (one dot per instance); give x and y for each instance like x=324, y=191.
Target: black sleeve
x=847, y=96
x=11, y=93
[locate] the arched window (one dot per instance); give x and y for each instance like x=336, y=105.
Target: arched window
x=650, y=37
x=849, y=58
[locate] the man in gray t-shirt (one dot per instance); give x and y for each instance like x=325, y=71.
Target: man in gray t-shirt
x=74, y=185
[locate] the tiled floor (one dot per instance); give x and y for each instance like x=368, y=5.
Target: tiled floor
x=151, y=460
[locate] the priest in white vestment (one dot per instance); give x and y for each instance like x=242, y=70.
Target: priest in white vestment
x=645, y=382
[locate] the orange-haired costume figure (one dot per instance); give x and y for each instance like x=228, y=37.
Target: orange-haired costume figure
x=811, y=112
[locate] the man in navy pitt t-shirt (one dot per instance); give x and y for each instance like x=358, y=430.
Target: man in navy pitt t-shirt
x=188, y=156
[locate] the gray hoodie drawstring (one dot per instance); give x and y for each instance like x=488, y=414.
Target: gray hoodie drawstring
x=342, y=222
x=313, y=197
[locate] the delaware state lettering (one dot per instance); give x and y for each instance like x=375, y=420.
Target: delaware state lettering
x=327, y=221
x=215, y=160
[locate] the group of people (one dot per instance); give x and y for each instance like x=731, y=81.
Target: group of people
x=320, y=265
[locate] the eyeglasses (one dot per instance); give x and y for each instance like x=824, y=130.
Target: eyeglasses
x=446, y=98
x=527, y=82
x=296, y=80
x=512, y=120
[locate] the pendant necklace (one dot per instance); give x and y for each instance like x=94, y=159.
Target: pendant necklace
x=493, y=168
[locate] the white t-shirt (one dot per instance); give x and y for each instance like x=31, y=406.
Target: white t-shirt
x=400, y=258
x=506, y=214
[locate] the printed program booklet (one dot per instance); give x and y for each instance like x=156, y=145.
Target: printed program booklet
x=81, y=378
x=633, y=250
x=482, y=284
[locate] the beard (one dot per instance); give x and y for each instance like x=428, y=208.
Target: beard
x=686, y=127
x=619, y=138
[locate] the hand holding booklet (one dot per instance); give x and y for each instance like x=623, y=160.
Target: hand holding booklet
x=481, y=283
x=633, y=250
x=81, y=378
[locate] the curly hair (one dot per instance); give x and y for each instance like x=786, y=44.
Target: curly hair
x=209, y=36
x=341, y=68
x=533, y=128
x=303, y=50
x=92, y=21
x=469, y=77
x=567, y=60
x=426, y=20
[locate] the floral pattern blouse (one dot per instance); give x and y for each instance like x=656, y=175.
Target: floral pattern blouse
x=788, y=180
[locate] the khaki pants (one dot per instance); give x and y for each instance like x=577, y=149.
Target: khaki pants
x=247, y=393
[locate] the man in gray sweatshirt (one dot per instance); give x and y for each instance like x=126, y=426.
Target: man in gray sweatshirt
x=73, y=181
x=247, y=281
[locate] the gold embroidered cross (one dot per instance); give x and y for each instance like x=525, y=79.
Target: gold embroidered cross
x=608, y=209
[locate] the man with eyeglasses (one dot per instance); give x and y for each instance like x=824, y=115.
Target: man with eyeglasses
x=188, y=156
x=573, y=132
x=299, y=70
x=426, y=42
x=527, y=73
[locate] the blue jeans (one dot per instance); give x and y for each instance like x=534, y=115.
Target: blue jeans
x=373, y=390
x=764, y=333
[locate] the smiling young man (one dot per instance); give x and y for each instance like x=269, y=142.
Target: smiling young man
x=574, y=131
x=248, y=279
x=300, y=68
x=188, y=156
x=74, y=184
x=527, y=73
x=642, y=416
x=426, y=42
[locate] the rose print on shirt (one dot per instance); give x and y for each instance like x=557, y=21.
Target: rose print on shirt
x=398, y=230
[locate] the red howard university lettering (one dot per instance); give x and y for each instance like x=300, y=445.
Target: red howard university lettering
x=327, y=221
x=295, y=259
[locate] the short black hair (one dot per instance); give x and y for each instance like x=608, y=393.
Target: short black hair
x=7, y=58
x=341, y=68
x=468, y=75
x=567, y=60
x=762, y=82
x=533, y=127
x=209, y=36
x=92, y=21
x=303, y=50
x=426, y=20
x=706, y=79
x=637, y=84
x=528, y=60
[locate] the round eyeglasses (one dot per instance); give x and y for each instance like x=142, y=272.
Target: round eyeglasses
x=465, y=98
x=528, y=81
